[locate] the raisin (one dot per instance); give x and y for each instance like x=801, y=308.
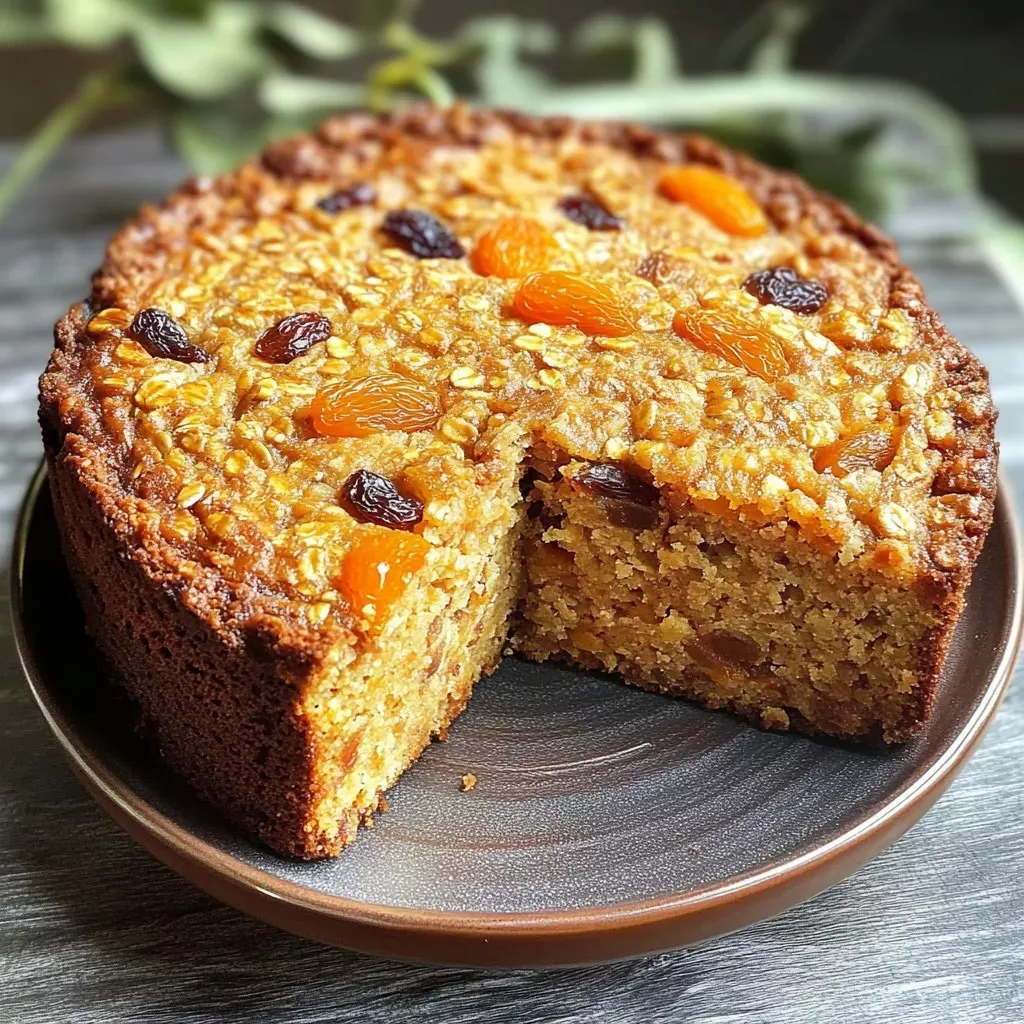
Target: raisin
x=422, y=234
x=373, y=498
x=612, y=481
x=656, y=267
x=783, y=286
x=292, y=336
x=717, y=665
x=740, y=650
x=163, y=337
x=359, y=194
x=590, y=212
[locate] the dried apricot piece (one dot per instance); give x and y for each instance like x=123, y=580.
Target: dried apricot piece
x=362, y=406
x=737, y=339
x=723, y=200
x=869, y=449
x=376, y=570
x=514, y=247
x=572, y=300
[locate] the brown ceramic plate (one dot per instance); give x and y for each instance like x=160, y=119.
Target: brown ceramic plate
x=606, y=822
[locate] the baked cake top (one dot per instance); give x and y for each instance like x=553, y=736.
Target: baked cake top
x=306, y=369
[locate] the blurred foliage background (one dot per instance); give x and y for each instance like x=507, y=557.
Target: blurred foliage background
x=862, y=98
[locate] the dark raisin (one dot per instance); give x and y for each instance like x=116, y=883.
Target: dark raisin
x=422, y=234
x=359, y=194
x=740, y=650
x=165, y=338
x=590, y=212
x=656, y=267
x=373, y=498
x=626, y=499
x=292, y=336
x=783, y=286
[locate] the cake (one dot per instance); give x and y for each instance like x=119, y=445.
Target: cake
x=334, y=431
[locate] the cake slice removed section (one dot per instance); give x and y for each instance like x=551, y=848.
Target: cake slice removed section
x=753, y=619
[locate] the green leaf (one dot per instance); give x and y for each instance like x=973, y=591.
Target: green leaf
x=100, y=90
x=17, y=29
x=283, y=93
x=774, y=52
x=434, y=86
x=501, y=42
x=313, y=33
x=209, y=146
x=656, y=57
x=614, y=46
x=90, y=24
x=375, y=14
x=202, y=59
x=1002, y=240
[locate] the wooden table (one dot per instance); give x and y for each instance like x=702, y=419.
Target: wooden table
x=92, y=929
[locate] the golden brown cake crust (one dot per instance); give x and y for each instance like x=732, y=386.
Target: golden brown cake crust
x=114, y=538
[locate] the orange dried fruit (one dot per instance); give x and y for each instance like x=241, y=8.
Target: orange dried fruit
x=723, y=200
x=869, y=449
x=377, y=568
x=572, y=300
x=736, y=338
x=514, y=247
x=368, y=405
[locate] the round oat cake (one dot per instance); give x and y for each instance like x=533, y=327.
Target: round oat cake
x=332, y=431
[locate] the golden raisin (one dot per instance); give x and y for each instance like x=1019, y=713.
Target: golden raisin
x=736, y=338
x=368, y=405
x=870, y=449
x=571, y=300
x=723, y=200
x=377, y=568
x=514, y=247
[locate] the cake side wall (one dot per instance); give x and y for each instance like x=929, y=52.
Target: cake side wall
x=222, y=719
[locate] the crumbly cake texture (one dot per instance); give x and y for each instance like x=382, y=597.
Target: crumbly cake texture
x=786, y=532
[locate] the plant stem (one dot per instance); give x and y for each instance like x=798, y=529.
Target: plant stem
x=435, y=87
x=94, y=92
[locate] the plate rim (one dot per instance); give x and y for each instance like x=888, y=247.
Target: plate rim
x=513, y=939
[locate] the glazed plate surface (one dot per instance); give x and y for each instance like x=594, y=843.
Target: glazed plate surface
x=605, y=822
